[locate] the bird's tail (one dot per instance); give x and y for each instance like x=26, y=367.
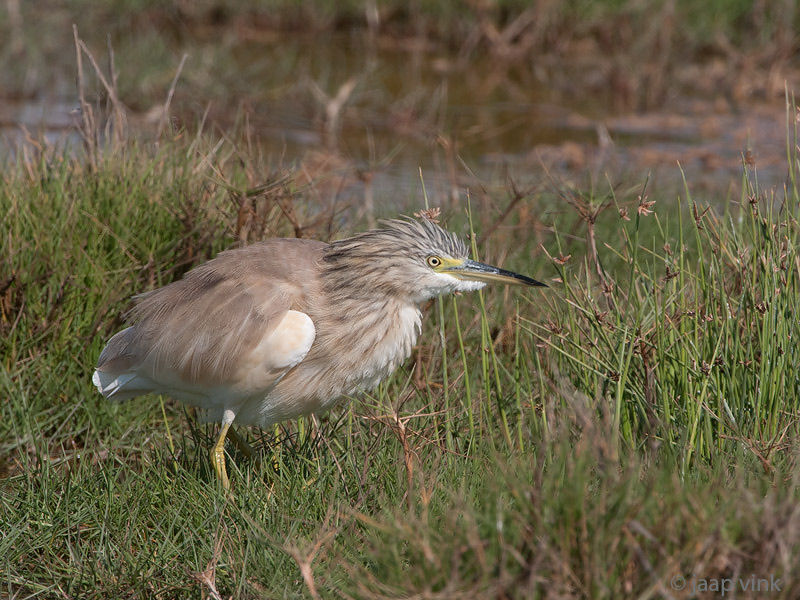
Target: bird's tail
x=122, y=386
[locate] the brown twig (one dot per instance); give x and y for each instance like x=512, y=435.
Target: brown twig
x=165, y=111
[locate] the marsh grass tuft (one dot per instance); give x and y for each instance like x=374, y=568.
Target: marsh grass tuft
x=689, y=339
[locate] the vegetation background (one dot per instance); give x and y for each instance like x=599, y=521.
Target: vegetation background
x=629, y=432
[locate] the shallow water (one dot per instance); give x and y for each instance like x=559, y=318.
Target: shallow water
x=406, y=109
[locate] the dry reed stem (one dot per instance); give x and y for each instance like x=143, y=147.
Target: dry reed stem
x=165, y=111
x=116, y=128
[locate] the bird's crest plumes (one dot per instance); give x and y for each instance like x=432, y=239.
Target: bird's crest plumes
x=409, y=236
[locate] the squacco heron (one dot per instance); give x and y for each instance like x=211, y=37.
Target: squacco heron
x=285, y=327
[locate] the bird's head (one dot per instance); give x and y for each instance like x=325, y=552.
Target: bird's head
x=413, y=259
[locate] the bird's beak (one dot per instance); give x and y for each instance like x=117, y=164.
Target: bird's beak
x=471, y=270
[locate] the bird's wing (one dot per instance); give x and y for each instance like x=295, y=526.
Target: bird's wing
x=236, y=321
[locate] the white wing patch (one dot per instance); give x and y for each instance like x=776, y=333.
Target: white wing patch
x=291, y=340
x=285, y=347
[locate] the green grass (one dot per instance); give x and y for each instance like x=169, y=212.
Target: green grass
x=635, y=422
x=693, y=328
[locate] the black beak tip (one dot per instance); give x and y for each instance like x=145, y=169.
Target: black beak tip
x=535, y=282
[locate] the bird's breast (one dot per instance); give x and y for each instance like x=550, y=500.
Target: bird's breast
x=349, y=357
x=387, y=347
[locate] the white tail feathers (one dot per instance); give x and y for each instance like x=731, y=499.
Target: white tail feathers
x=122, y=386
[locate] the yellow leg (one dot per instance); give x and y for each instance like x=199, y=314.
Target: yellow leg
x=218, y=456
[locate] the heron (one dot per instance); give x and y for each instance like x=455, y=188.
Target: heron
x=286, y=327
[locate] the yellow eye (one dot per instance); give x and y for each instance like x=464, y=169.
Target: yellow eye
x=434, y=262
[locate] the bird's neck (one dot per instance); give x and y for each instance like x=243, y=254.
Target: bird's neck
x=371, y=328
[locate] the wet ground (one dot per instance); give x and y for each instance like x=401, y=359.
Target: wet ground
x=356, y=114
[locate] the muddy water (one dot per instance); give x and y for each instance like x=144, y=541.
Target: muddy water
x=368, y=116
